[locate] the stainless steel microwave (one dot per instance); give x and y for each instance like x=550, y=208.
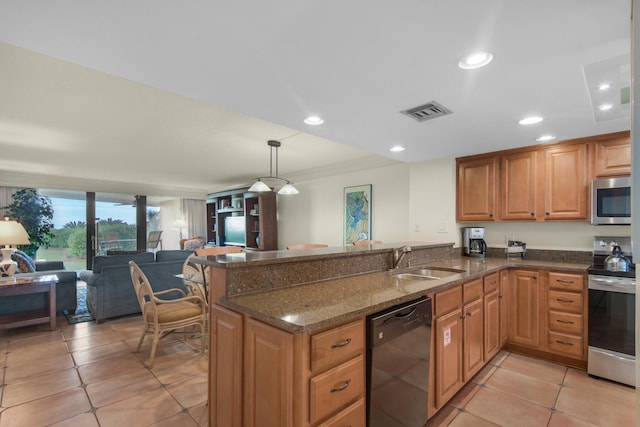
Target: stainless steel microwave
x=611, y=201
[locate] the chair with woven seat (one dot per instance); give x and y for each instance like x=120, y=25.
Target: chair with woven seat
x=307, y=246
x=366, y=242
x=194, y=276
x=162, y=316
x=200, y=273
x=154, y=240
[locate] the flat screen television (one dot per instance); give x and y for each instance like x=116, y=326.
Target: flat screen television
x=234, y=231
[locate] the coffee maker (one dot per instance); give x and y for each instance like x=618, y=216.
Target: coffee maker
x=473, y=243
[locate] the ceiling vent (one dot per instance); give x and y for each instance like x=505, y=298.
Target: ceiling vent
x=429, y=111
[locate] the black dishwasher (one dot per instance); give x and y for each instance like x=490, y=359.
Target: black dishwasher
x=398, y=344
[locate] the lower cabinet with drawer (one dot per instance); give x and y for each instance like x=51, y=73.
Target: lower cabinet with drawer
x=566, y=321
x=264, y=376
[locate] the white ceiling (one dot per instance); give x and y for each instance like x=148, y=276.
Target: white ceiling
x=179, y=98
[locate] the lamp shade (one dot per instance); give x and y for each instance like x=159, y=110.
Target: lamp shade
x=13, y=233
x=259, y=186
x=288, y=190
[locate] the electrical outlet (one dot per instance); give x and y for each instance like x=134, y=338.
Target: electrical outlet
x=443, y=227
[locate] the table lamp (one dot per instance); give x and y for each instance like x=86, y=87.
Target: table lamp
x=11, y=233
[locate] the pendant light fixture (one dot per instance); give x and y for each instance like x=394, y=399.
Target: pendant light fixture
x=260, y=184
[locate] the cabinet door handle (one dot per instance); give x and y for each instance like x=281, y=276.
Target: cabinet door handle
x=500, y=296
x=564, y=342
x=546, y=213
x=341, y=344
x=564, y=281
x=533, y=214
x=462, y=317
x=468, y=314
x=490, y=215
x=342, y=387
x=566, y=322
x=564, y=300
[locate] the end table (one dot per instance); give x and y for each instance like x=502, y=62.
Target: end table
x=26, y=286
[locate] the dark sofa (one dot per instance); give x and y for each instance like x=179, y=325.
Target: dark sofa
x=66, y=296
x=110, y=291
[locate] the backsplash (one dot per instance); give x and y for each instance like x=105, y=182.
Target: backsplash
x=547, y=255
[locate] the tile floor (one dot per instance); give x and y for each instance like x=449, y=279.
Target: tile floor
x=514, y=390
x=87, y=375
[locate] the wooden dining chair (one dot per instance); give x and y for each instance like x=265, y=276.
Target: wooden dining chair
x=366, y=242
x=162, y=316
x=307, y=246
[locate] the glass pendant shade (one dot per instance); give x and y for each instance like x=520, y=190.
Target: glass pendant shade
x=288, y=190
x=259, y=186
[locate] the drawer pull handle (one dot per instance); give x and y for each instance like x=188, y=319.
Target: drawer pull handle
x=567, y=322
x=342, y=387
x=564, y=300
x=564, y=342
x=341, y=344
x=564, y=281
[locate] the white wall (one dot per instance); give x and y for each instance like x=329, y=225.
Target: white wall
x=414, y=203
x=316, y=214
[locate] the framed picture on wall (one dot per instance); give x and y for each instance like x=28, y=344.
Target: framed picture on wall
x=357, y=213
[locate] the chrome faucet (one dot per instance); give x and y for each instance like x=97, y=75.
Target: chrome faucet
x=398, y=254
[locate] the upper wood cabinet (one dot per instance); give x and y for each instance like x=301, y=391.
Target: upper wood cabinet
x=538, y=183
x=476, y=189
x=518, y=173
x=612, y=156
x=565, y=183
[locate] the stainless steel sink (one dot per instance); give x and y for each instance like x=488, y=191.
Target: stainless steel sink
x=433, y=273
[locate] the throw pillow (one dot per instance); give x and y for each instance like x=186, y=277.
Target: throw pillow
x=25, y=262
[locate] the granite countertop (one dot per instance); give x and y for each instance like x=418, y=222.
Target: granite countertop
x=313, y=306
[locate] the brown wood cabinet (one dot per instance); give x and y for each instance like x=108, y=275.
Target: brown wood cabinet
x=524, y=308
x=566, y=183
x=566, y=320
x=503, y=296
x=458, y=329
x=492, y=339
x=476, y=189
x=518, y=186
x=612, y=156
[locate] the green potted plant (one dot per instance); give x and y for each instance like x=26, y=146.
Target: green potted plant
x=35, y=213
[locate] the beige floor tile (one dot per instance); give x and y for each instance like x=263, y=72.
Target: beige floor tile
x=87, y=419
x=536, y=368
x=121, y=363
x=171, y=373
x=465, y=419
x=484, y=374
x=36, y=351
x=524, y=387
x=182, y=419
x=200, y=413
x=463, y=397
x=93, y=340
x=18, y=369
x=38, y=386
x=141, y=410
x=591, y=407
x=102, y=352
x=39, y=333
x=443, y=417
x=559, y=419
x=108, y=391
x=499, y=358
x=84, y=329
x=190, y=393
x=48, y=410
x=604, y=389
x=503, y=409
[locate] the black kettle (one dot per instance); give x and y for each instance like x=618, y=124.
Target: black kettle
x=616, y=261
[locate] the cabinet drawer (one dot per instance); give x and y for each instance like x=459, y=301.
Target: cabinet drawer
x=472, y=291
x=566, y=322
x=448, y=300
x=336, y=388
x=491, y=282
x=566, y=281
x=569, y=345
x=570, y=302
x=336, y=345
x=354, y=415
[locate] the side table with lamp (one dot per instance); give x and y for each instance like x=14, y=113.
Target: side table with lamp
x=13, y=233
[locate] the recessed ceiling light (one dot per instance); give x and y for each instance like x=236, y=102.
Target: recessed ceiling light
x=397, y=148
x=475, y=60
x=313, y=120
x=530, y=120
x=604, y=86
x=545, y=138
x=605, y=107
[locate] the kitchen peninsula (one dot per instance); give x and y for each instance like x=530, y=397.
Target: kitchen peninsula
x=287, y=328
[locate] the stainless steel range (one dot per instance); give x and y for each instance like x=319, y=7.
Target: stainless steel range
x=612, y=313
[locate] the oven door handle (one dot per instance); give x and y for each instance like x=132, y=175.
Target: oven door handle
x=611, y=286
